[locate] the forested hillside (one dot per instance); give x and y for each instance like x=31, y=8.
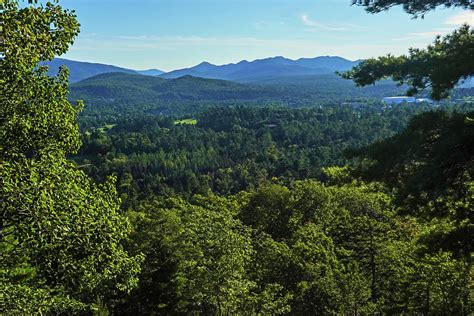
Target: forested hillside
x=119, y=93
x=243, y=210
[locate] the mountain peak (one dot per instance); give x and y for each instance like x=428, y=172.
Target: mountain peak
x=204, y=63
x=151, y=72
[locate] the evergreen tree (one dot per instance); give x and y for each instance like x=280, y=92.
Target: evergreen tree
x=439, y=67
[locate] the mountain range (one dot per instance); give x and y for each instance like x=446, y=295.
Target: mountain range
x=79, y=70
x=263, y=69
x=255, y=71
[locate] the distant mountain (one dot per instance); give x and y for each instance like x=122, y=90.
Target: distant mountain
x=118, y=93
x=150, y=72
x=262, y=69
x=79, y=70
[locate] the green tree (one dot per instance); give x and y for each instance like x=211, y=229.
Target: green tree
x=317, y=290
x=430, y=165
x=197, y=258
x=61, y=233
x=444, y=283
x=439, y=67
x=335, y=249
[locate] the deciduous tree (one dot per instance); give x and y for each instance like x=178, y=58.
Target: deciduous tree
x=61, y=233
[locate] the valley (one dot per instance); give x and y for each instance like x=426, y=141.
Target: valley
x=234, y=183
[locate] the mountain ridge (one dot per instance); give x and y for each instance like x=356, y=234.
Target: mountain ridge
x=132, y=87
x=250, y=71
x=81, y=70
x=242, y=71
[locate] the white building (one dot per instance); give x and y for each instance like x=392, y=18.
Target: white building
x=402, y=99
x=424, y=100
x=399, y=100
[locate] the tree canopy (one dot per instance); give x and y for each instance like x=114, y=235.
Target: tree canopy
x=430, y=164
x=61, y=232
x=228, y=211
x=414, y=7
x=439, y=67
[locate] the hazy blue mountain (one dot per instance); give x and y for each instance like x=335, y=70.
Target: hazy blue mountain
x=151, y=72
x=331, y=63
x=246, y=71
x=79, y=70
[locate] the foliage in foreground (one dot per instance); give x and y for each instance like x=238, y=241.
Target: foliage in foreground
x=61, y=233
x=307, y=248
x=439, y=67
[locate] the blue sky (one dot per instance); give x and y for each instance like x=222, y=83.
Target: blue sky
x=172, y=34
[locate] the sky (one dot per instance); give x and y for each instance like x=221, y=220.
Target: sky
x=174, y=34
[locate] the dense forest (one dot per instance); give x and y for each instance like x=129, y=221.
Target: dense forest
x=229, y=202
x=276, y=210
x=225, y=150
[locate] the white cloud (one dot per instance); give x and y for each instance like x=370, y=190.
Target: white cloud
x=309, y=22
x=461, y=18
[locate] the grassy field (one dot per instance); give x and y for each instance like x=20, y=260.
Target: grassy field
x=106, y=127
x=189, y=121
x=103, y=129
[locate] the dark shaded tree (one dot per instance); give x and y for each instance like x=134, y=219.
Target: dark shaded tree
x=430, y=165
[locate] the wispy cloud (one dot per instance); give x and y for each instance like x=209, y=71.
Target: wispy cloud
x=461, y=18
x=428, y=35
x=327, y=27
